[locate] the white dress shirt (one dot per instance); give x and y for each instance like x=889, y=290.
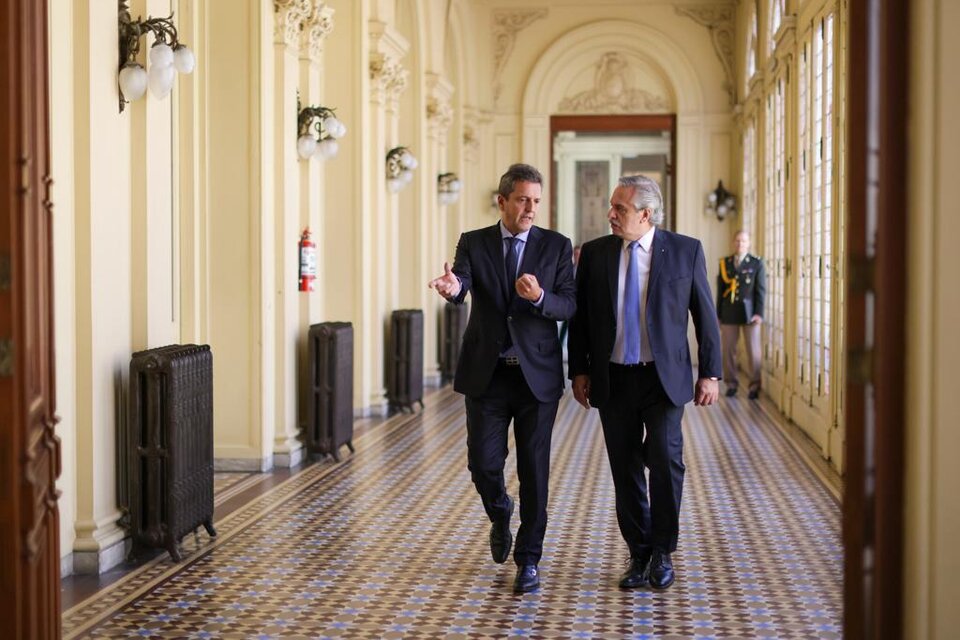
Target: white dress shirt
x=644, y=260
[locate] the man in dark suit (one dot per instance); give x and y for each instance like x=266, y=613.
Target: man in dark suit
x=510, y=367
x=741, y=289
x=629, y=357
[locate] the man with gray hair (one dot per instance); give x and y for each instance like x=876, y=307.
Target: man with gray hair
x=629, y=357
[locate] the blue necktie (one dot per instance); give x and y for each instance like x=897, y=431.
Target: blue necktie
x=511, y=261
x=631, y=308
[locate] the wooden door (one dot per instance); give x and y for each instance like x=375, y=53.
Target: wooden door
x=29, y=449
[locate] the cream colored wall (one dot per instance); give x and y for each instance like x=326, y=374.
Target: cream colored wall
x=931, y=515
x=543, y=62
x=61, y=20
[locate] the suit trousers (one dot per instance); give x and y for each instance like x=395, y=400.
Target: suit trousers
x=641, y=427
x=729, y=336
x=488, y=418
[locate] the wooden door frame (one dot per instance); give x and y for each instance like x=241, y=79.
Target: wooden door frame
x=29, y=448
x=877, y=239
x=614, y=123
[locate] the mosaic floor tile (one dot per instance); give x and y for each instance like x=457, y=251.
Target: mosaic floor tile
x=391, y=543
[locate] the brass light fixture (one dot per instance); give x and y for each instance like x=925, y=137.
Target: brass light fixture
x=721, y=202
x=400, y=166
x=167, y=56
x=448, y=188
x=318, y=130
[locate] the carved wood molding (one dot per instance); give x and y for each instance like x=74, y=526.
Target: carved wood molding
x=506, y=25
x=720, y=19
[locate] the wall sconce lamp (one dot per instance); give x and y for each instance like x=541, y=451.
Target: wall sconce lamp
x=495, y=199
x=721, y=202
x=167, y=55
x=448, y=188
x=322, y=144
x=400, y=166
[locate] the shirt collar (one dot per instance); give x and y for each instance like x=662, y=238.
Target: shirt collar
x=645, y=241
x=504, y=233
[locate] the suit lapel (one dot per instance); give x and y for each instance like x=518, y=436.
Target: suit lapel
x=658, y=251
x=494, y=244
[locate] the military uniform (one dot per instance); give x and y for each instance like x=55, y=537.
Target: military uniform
x=741, y=289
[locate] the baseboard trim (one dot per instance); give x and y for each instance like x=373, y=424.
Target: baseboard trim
x=92, y=563
x=244, y=464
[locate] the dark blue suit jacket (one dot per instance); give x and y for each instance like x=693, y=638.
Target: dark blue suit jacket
x=494, y=311
x=677, y=286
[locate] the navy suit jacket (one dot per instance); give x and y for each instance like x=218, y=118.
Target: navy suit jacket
x=496, y=308
x=677, y=287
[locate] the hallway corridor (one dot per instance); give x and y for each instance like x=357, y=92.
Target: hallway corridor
x=391, y=543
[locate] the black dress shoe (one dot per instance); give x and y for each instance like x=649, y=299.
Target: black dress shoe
x=661, y=570
x=500, y=537
x=754, y=394
x=732, y=391
x=528, y=578
x=636, y=574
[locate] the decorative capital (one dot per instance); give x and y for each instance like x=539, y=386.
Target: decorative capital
x=388, y=79
x=720, y=20
x=288, y=20
x=439, y=116
x=506, y=25
x=316, y=27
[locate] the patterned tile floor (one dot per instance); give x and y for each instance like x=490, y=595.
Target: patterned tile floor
x=391, y=543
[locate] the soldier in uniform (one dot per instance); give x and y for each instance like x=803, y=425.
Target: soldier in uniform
x=741, y=287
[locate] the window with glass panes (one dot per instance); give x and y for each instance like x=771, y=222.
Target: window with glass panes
x=822, y=213
x=776, y=16
x=748, y=207
x=774, y=230
x=815, y=214
x=803, y=223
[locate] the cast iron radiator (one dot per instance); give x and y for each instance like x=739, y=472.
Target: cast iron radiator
x=405, y=359
x=170, y=445
x=454, y=324
x=330, y=404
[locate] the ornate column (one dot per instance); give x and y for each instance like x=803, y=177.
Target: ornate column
x=439, y=114
x=316, y=27
x=388, y=79
x=290, y=16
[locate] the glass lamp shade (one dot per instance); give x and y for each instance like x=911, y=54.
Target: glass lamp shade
x=183, y=59
x=712, y=197
x=406, y=177
x=407, y=161
x=306, y=146
x=729, y=203
x=161, y=55
x=394, y=185
x=133, y=81
x=334, y=127
x=160, y=80
x=455, y=186
x=327, y=148
x=722, y=210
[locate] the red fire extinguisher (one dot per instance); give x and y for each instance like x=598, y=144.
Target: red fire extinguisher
x=308, y=262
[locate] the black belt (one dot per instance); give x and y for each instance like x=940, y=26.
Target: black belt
x=509, y=361
x=648, y=363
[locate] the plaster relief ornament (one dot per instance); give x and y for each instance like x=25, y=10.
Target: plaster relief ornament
x=613, y=91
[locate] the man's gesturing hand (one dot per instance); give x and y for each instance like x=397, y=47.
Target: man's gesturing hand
x=581, y=390
x=447, y=285
x=528, y=288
